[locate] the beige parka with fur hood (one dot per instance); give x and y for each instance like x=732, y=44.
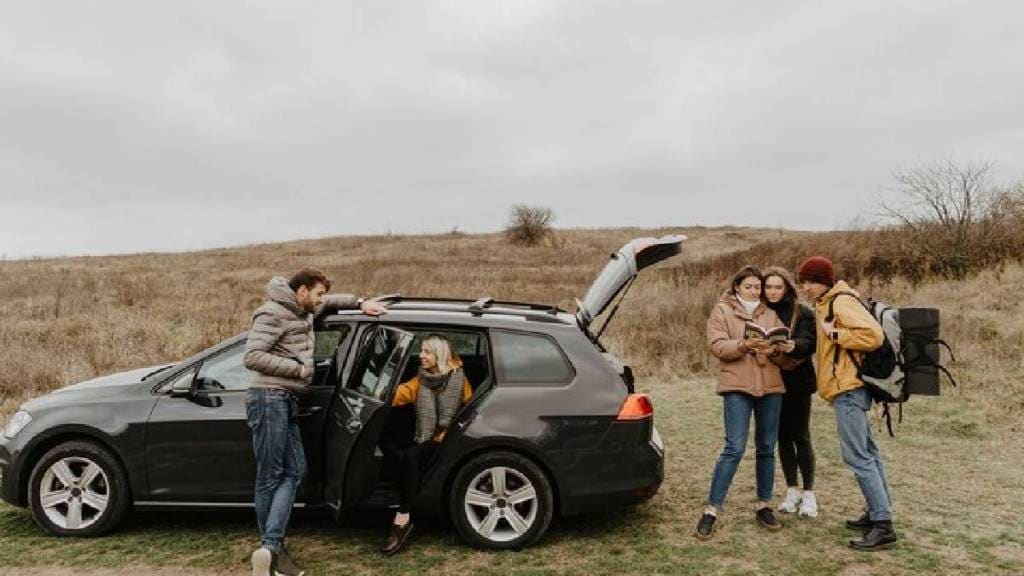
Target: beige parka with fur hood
x=742, y=370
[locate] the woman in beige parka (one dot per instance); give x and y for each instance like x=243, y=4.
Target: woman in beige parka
x=750, y=384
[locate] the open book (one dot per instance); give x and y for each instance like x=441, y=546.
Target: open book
x=777, y=334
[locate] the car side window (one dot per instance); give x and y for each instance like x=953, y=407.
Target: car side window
x=224, y=372
x=523, y=357
x=327, y=340
x=379, y=364
x=470, y=346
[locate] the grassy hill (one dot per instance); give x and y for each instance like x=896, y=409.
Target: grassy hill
x=955, y=465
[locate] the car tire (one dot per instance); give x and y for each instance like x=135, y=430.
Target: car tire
x=501, y=501
x=78, y=488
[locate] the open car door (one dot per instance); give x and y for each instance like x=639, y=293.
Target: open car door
x=358, y=413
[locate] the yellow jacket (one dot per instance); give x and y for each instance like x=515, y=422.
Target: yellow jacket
x=407, y=392
x=856, y=330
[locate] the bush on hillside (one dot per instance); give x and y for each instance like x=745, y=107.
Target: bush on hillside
x=529, y=225
x=957, y=220
x=951, y=222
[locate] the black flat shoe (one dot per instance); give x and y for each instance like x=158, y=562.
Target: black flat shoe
x=706, y=527
x=765, y=517
x=397, y=538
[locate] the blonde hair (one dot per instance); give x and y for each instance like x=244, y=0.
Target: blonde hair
x=442, y=351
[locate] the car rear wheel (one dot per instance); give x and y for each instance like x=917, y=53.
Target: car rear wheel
x=501, y=500
x=78, y=489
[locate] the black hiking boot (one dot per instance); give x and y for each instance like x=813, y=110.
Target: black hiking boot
x=765, y=517
x=863, y=523
x=706, y=527
x=880, y=537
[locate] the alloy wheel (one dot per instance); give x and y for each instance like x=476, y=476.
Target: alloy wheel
x=501, y=504
x=74, y=492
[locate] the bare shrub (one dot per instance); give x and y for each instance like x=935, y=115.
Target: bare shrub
x=529, y=225
x=956, y=220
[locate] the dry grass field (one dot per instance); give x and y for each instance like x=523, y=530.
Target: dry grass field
x=956, y=464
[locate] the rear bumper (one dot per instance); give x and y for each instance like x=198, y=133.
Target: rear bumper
x=614, y=475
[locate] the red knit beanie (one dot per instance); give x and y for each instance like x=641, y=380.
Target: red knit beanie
x=817, y=269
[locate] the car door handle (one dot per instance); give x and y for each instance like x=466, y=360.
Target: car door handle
x=312, y=410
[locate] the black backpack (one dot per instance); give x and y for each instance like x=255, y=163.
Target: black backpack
x=907, y=362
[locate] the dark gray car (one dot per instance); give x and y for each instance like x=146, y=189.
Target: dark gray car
x=553, y=427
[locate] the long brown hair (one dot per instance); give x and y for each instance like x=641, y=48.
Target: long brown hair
x=790, y=296
x=746, y=272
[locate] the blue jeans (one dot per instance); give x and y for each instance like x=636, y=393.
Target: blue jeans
x=860, y=451
x=280, y=460
x=737, y=408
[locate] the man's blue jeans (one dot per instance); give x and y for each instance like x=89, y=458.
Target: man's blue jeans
x=860, y=451
x=280, y=460
x=737, y=408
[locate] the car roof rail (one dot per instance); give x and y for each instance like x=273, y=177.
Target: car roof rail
x=479, y=305
x=486, y=305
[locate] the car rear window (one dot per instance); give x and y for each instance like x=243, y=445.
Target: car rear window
x=523, y=357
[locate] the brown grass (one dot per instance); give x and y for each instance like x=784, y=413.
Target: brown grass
x=954, y=466
x=66, y=320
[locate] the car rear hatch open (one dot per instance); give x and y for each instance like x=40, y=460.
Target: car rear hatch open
x=615, y=279
x=620, y=272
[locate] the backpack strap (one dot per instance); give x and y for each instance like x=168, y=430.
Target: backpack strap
x=888, y=417
x=948, y=349
x=831, y=317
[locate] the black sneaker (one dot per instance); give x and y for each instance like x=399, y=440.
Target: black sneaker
x=766, y=518
x=264, y=562
x=862, y=523
x=286, y=565
x=880, y=537
x=397, y=538
x=706, y=527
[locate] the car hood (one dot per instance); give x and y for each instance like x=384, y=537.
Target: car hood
x=95, y=390
x=119, y=379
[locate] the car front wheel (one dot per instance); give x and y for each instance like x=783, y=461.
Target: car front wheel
x=78, y=489
x=501, y=500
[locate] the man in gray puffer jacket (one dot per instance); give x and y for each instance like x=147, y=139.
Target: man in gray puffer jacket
x=279, y=351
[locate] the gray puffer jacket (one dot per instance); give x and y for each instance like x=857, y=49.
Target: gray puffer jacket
x=280, y=341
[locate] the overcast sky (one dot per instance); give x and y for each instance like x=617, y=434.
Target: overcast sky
x=136, y=126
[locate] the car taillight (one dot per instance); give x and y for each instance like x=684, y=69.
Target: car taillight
x=636, y=407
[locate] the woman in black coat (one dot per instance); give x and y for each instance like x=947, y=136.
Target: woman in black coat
x=795, y=449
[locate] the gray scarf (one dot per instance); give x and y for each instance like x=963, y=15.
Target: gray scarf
x=438, y=400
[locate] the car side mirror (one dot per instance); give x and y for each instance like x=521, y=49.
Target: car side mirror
x=185, y=385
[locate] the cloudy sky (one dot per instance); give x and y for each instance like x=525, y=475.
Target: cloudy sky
x=135, y=126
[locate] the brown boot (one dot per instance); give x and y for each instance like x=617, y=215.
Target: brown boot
x=397, y=538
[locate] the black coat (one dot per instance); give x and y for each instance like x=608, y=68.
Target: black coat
x=805, y=336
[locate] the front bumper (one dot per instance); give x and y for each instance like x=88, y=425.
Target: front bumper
x=8, y=485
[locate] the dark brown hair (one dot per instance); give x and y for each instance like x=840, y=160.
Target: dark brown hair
x=787, y=280
x=745, y=272
x=308, y=277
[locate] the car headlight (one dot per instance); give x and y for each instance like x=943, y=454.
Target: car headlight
x=17, y=422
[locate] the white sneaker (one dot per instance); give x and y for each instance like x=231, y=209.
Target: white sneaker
x=263, y=562
x=791, y=502
x=809, y=505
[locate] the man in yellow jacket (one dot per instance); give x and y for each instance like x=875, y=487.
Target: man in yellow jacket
x=843, y=338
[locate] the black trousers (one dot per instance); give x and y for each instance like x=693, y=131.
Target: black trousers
x=795, y=450
x=414, y=460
